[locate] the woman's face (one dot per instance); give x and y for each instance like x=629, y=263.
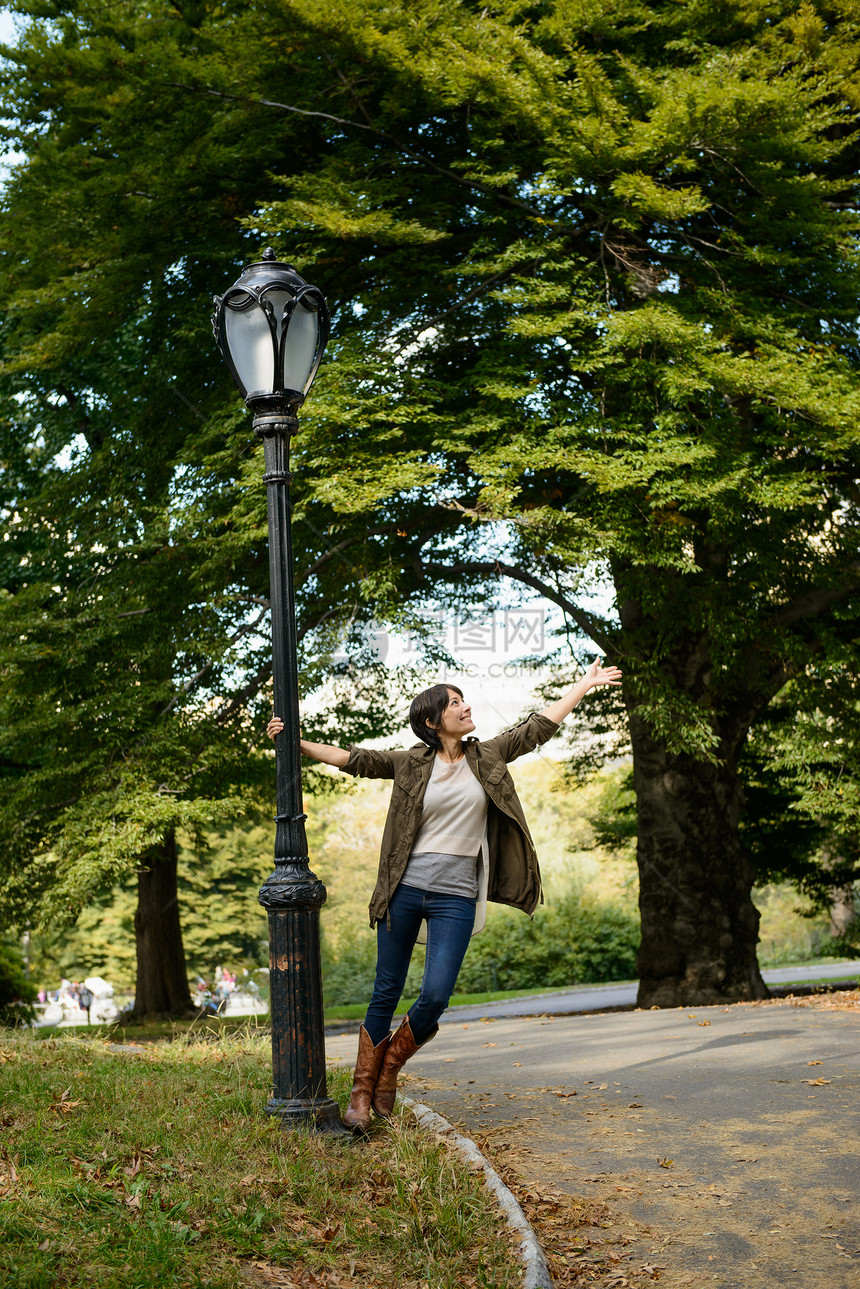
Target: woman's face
x=457, y=717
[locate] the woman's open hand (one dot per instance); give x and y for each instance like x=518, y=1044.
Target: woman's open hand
x=598, y=675
x=593, y=677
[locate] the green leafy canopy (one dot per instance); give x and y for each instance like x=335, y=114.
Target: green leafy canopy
x=593, y=273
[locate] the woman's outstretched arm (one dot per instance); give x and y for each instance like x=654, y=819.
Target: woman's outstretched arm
x=595, y=676
x=325, y=752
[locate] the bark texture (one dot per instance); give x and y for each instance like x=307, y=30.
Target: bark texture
x=699, y=924
x=162, y=978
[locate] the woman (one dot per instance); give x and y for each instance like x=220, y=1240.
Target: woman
x=455, y=837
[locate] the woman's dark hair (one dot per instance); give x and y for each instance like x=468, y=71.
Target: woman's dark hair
x=426, y=710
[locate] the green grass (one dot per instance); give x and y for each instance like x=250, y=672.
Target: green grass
x=207, y=1026
x=210, y=1026
x=802, y=979
x=160, y=1169
x=355, y=1011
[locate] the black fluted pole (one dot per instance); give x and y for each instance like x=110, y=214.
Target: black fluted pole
x=293, y=895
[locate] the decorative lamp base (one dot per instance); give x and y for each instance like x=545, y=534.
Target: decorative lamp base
x=321, y=1114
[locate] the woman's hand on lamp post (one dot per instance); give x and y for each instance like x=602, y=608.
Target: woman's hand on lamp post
x=325, y=752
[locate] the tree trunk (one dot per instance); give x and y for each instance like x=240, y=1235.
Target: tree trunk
x=699, y=924
x=843, y=912
x=842, y=904
x=162, y=979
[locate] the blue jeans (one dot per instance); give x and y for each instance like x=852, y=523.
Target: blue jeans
x=450, y=920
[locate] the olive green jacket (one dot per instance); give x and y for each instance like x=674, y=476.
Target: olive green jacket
x=512, y=874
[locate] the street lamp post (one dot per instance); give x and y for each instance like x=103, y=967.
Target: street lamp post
x=272, y=328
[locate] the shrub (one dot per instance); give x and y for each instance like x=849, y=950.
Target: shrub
x=17, y=995
x=572, y=941
x=348, y=967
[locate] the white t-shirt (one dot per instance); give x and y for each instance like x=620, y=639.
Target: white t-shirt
x=454, y=812
x=451, y=832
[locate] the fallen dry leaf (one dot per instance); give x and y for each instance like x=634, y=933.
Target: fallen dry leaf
x=839, y=1000
x=815, y=1083
x=666, y=1163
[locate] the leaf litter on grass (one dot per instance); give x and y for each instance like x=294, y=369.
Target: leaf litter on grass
x=165, y=1170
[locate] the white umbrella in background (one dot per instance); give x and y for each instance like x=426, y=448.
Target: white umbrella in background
x=99, y=988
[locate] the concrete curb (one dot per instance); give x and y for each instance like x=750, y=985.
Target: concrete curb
x=537, y=1274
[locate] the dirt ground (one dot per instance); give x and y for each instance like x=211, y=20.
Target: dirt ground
x=716, y=1147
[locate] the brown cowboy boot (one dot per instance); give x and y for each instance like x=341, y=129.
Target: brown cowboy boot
x=367, y=1066
x=401, y=1047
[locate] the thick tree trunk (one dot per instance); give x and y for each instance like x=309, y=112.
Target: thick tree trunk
x=699, y=924
x=843, y=912
x=162, y=978
x=843, y=903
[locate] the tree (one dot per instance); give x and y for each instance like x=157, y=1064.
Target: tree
x=594, y=283
x=801, y=771
x=604, y=260
x=133, y=575
x=222, y=922
x=17, y=994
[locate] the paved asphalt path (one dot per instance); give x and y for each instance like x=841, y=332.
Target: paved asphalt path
x=559, y=1002
x=601, y=997
x=720, y=1145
